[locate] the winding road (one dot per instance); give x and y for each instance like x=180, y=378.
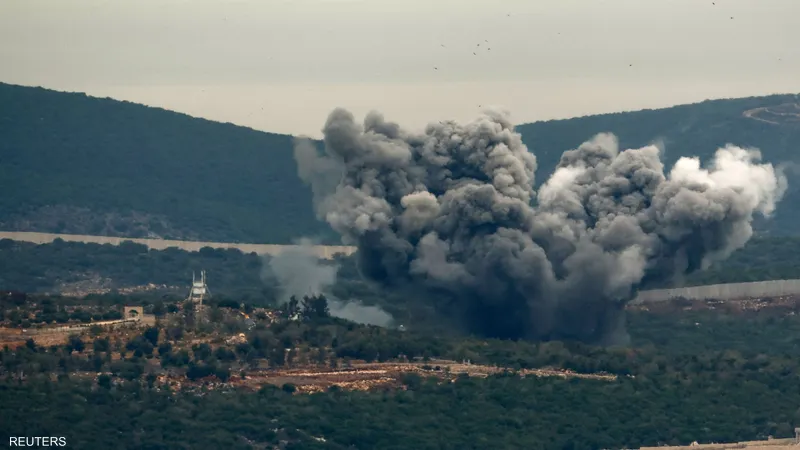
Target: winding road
x=788, y=112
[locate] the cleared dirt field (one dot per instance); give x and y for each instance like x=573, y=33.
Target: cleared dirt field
x=369, y=376
x=17, y=339
x=322, y=251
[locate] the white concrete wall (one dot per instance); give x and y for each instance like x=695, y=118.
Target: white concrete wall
x=322, y=251
x=78, y=327
x=729, y=291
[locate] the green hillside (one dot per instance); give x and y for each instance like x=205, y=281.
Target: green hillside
x=77, y=164
x=80, y=164
x=691, y=130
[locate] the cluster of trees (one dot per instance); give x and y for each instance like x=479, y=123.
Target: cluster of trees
x=29, y=267
x=50, y=312
x=237, y=278
x=310, y=307
x=698, y=375
x=774, y=332
x=500, y=412
x=143, y=167
x=766, y=332
x=667, y=392
x=761, y=259
x=686, y=336
x=147, y=166
x=234, y=277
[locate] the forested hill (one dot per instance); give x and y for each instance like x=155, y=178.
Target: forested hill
x=77, y=164
x=770, y=123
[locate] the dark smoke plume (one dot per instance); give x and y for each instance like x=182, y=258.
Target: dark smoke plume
x=453, y=212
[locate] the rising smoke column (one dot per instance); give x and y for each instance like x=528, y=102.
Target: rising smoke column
x=299, y=273
x=453, y=213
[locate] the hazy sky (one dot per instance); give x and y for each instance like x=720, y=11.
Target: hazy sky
x=283, y=65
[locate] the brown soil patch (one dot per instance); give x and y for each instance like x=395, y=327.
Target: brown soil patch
x=373, y=376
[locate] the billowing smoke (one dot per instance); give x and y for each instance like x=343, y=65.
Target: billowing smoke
x=299, y=273
x=453, y=212
x=360, y=313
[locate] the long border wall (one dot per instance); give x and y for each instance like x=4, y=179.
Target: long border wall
x=322, y=251
x=729, y=291
x=19, y=333
x=80, y=326
x=714, y=291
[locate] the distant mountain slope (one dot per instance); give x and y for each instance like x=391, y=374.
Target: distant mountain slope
x=75, y=163
x=770, y=123
x=71, y=163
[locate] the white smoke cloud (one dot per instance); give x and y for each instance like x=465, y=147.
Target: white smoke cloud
x=299, y=273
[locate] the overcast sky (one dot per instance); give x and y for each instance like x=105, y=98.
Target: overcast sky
x=281, y=65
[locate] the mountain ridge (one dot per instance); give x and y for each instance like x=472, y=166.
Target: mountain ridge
x=172, y=175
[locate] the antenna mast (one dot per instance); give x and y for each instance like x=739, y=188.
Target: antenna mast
x=199, y=290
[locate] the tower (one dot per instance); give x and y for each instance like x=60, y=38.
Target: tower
x=199, y=290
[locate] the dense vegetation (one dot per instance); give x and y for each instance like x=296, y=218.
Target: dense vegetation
x=710, y=375
x=30, y=267
x=74, y=267
x=86, y=165
x=498, y=413
x=696, y=332
x=45, y=268
x=761, y=259
x=69, y=267
x=669, y=391
x=77, y=164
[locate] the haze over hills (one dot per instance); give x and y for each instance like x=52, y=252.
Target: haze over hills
x=77, y=164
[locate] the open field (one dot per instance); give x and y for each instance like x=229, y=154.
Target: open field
x=368, y=376
x=322, y=251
